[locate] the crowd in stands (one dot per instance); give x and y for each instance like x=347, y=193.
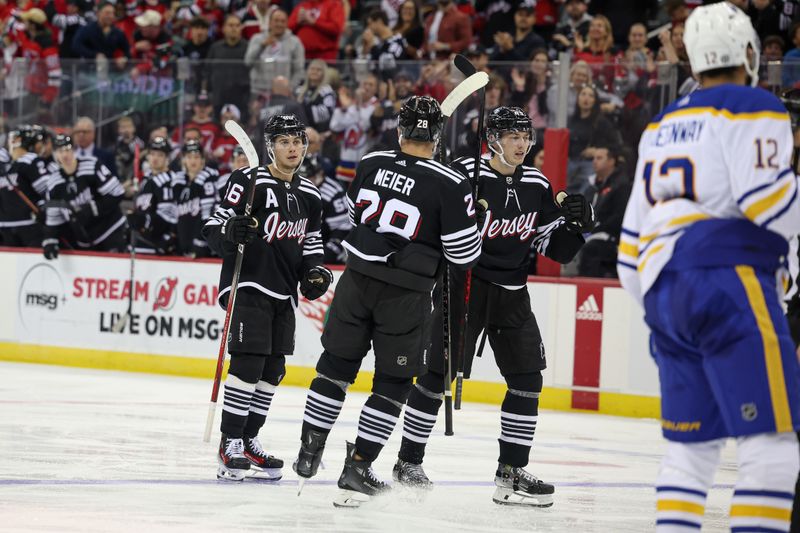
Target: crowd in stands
x=345, y=68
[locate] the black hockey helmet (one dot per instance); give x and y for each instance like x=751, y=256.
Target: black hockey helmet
x=504, y=119
x=310, y=167
x=159, y=144
x=421, y=119
x=278, y=125
x=192, y=146
x=29, y=136
x=62, y=141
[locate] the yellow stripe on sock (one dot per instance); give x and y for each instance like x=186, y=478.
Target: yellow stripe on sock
x=761, y=511
x=772, y=349
x=680, y=505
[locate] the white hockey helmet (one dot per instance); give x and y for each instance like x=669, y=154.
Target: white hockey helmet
x=717, y=36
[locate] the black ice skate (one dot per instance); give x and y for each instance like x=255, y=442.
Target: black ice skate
x=308, y=459
x=232, y=462
x=411, y=475
x=515, y=486
x=263, y=466
x=358, y=482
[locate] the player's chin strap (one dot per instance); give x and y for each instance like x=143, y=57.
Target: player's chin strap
x=271, y=154
x=498, y=150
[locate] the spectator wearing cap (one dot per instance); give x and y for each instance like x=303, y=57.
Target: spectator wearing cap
x=520, y=45
x=317, y=96
x=409, y=25
x=276, y=51
x=256, y=20
x=69, y=19
x=576, y=22
x=608, y=193
x=203, y=120
x=447, y=30
x=83, y=133
x=222, y=149
x=228, y=79
x=152, y=45
x=478, y=56
x=382, y=45
x=319, y=24
x=36, y=45
x=101, y=39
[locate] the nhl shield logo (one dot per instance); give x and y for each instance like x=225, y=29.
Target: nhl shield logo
x=402, y=360
x=749, y=412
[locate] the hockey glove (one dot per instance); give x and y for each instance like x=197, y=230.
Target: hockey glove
x=481, y=207
x=50, y=249
x=240, y=229
x=315, y=283
x=577, y=211
x=139, y=221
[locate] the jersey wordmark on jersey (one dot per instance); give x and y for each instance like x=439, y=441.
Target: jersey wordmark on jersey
x=714, y=174
x=289, y=218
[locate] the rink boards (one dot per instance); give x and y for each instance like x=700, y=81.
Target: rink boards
x=62, y=312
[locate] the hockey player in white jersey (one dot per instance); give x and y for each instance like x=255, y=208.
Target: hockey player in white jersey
x=704, y=243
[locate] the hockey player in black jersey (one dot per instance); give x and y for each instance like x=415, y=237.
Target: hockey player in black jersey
x=409, y=211
x=155, y=212
x=23, y=190
x=283, y=248
x=335, y=219
x=84, y=204
x=521, y=214
x=196, y=196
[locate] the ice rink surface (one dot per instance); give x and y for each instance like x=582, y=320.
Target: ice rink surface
x=87, y=450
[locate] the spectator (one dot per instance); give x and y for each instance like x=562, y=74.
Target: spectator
x=224, y=143
x=257, y=19
x=319, y=24
x=497, y=17
x=588, y=128
x=580, y=76
x=431, y=80
x=125, y=153
x=409, y=25
x=520, y=46
x=623, y=14
x=772, y=49
x=599, y=51
x=275, y=52
x=608, y=195
x=100, y=39
x=638, y=57
x=479, y=57
x=280, y=102
x=83, y=134
x=196, y=49
x=152, y=45
x=315, y=149
x=68, y=23
x=674, y=51
x=385, y=116
x=317, y=96
x=203, y=120
x=37, y=46
x=447, y=30
x=765, y=16
x=678, y=10
x=215, y=15
x=352, y=121
x=382, y=45
x=529, y=91
x=227, y=75
x=791, y=65
x=576, y=23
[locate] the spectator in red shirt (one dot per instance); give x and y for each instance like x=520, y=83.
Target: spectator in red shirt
x=152, y=46
x=203, y=120
x=599, y=51
x=447, y=30
x=257, y=19
x=37, y=46
x=224, y=143
x=319, y=25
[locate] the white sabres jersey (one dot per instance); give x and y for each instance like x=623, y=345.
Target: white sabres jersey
x=722, y=153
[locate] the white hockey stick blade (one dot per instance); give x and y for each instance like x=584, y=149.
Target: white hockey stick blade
x=461, y=92
x=236, y=131
x=212, y=409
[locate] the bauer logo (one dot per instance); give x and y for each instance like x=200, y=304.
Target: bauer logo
x=165, y=294
x=41, y=296
x=589, y=310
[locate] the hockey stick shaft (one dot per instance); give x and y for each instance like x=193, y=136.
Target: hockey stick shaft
x=448, y=364
x=252, y=159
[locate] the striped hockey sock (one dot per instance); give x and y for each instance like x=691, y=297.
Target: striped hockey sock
x=679, y=508
x=259, y=407
x=518, y=418
x=323, y=404
x=375, y=425
x=236, y=406
x=418, y=421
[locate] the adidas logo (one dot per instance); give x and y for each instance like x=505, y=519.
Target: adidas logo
x=589, y=310
x=402, y=162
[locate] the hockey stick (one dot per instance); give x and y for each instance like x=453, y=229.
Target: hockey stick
x=123, y=321
x=460, y=93
x=468, y=69
x=244, y=141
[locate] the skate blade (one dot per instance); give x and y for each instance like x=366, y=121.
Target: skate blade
x=509, y=497
x=350, y=499
x=264, y=474
x=229, y=474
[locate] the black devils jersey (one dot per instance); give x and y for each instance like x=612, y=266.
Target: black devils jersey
x=28, y=177
x=398, y=199
x=522, y=213
x=196, y=199
x=289, y=218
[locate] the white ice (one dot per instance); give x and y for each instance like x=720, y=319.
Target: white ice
x=86, y=450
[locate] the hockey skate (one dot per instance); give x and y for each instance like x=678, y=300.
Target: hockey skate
x=358, y=482
x=233, y=464
x=309, y=457
x=262, y=465
x=515, y=486
x=411, y=475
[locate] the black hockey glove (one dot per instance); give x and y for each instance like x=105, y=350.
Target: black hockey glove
x=240, y=229
x=315, y=283
x=139, y=221
x=50, y=249
x=481, y=207
x=577, y=211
